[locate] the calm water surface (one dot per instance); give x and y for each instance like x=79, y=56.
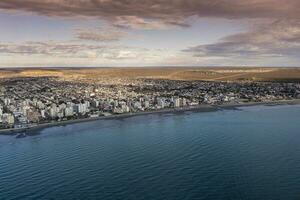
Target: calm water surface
x=253, y=153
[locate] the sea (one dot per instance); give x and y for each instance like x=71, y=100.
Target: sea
x=250, y=153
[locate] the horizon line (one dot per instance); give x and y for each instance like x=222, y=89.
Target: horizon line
x=92, y=67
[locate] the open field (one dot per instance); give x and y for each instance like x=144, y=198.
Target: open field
x=178, y=73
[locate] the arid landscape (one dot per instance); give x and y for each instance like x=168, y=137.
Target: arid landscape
x=178, y=73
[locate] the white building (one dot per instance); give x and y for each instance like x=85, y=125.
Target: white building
x=8, y=118
x=176, y=102
x=125, y=108
x=87, y=104
x=60, y=115
x=40, y=105
x=161, y=102
x=43, y=113
x=183, y=102
x=53, y=111
x=95, y=103
x=7, y=101
x=80, y=108
x=62, y=106
x=146, y=104
x=137, y=105
x=69, y=112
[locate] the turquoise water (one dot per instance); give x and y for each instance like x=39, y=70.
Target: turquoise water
x=252, y=153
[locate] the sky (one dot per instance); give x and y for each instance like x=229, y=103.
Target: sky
x=137, y=33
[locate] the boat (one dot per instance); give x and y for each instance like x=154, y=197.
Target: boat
x=21, y=135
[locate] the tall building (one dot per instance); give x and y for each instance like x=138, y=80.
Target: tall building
x=161, y=102
x=80, y=108
x=125, y=108
x=62, y=106
x=1, y=111
x=43, y=114
x=60, y=115
x=95, y=103
x=176, y=102
x=53, y=111
x=40, y=105
x=183, y=102
x=87, y=104
x=8, y=118
x=146, y=104
x=137, y=105
x=69, y=112
x=7, y=101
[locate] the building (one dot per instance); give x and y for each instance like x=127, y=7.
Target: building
x=95, y=103
x=69, y=111
x=7, y=101
x=53, y=111
x=176, y=102
x=146, y=104
x=80, y=108
x=43, y=114
x=161, y=102
x=8, y=118
x=137, y=105
x=183, y=102
x=1, y=111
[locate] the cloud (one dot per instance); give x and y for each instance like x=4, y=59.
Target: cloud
x=100, y=35
x=135, y=22
x=73, y=50
x=73, y=53
x=278, y=39
x=49, y=48
x=157, y=13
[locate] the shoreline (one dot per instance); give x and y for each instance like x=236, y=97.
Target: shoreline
x=198, y=108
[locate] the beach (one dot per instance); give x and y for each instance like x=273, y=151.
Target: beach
x=198, y=108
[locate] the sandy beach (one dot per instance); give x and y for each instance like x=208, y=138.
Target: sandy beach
x=198, y=108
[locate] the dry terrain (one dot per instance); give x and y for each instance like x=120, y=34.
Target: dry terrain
x=179, y=73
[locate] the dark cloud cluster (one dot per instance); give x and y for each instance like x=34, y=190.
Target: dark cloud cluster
x=280, y=38
x=132, y=13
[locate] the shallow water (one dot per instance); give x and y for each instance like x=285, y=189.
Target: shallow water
x=252, y=153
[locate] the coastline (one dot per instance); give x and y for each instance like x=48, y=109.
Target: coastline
x=198, y=108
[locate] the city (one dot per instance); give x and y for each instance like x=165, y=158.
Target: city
x=29, y=101
x=149, y=99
